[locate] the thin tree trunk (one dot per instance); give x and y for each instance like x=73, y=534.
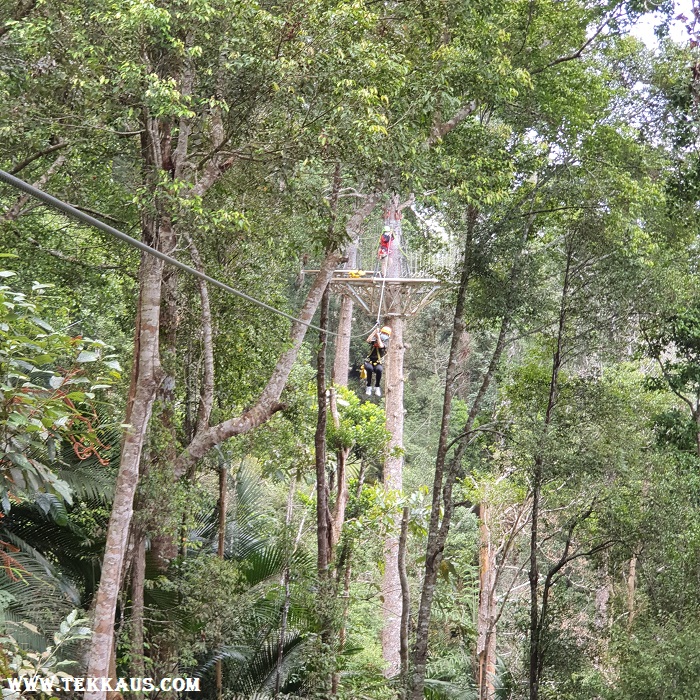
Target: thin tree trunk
x=344, y=562
x=631, y=589
x=538, y=621
x=342, y=493
x=405, y=599
x=533, y=576
x=486, y=632
x=164, y=545
x=146, y=379
x=323, y=535
x=324, y=529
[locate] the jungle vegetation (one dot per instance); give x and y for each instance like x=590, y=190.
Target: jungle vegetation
x=192, y=485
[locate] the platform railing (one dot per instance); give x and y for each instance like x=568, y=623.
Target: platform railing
x=410, y=263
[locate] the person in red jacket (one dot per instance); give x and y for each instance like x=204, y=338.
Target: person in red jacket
x=385, y=248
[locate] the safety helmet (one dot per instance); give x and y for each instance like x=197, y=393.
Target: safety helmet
x=386, y=330
x=387, y=229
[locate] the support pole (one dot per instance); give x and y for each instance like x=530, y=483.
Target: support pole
x=393, y=481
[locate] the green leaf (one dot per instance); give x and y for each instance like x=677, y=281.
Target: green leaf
x=87, y=356
x=42, y=324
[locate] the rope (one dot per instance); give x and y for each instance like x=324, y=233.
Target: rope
x=96, y=223
x=381, y=300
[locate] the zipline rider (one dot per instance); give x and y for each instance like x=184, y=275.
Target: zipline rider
x=378, y=339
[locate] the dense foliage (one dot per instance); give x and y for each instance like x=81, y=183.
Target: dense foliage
x=175, y=469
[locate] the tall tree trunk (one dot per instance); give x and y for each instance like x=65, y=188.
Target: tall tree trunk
x=405, y=599
x=393, y=463
x=534, y=578
x=631, y=589
x=323, y=527
x=146, y=380
x=345, y=565
x=164, y=545
x=486, y=620
x=342, y=493
x=326, y=588
x=341, y=360
x=393, y=481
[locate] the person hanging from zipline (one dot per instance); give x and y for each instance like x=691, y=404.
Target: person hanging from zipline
x=379, y=340
x=384, y=251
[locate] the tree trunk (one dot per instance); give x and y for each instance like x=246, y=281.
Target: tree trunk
x=405, y=599
x=393, y=481
x=146, y=379
x=344, y=564
x=341, y=361
x=631, y=589
x=538, y=621
x=486, y=621
x=285, y=585
x=534, y=577
x=342, y=494
x=138, y=580
x=323, y=534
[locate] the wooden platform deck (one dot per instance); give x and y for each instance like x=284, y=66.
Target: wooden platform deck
x=398, y=296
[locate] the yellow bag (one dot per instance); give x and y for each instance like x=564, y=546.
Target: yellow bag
x=363, y=372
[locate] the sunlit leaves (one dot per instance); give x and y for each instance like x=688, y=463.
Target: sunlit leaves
x=46, y=396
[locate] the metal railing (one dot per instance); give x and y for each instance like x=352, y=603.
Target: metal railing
x=408, y=262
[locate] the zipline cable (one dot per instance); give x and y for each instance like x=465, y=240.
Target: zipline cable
x=91, y=221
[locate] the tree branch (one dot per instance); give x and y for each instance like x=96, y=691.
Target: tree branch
x=440, y=130
x=576, y=54
x=35, y=156
x=269, y=400
x=14, y=211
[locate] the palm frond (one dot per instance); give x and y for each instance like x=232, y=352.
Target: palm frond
x=40, y=595
x=445, y=690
